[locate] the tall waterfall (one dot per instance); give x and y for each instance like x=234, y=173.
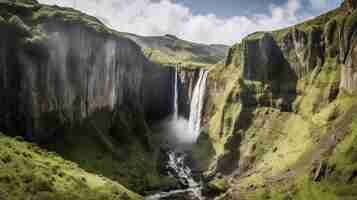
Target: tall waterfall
x=175, y=117
x=197, y=103
x=181, y=131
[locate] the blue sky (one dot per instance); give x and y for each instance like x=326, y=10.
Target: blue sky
x=203, y=21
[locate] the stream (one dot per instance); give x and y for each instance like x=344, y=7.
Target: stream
x=177, y=168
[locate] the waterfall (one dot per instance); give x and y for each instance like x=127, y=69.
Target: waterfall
x=175, y=116
x=197, y=103
x=177, y=167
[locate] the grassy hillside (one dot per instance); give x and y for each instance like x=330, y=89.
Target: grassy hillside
x=173, y=51
x=28, y=172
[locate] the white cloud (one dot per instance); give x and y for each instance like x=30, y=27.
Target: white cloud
x=159, y=17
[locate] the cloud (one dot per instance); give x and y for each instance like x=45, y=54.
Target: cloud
x=159, y=17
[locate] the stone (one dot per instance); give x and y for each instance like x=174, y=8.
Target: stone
x=350, y=5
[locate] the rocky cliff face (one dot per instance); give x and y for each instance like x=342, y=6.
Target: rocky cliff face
x=187, y=80
x=68, y=71
x=79, y=73
x=280, y=111
x=347, y=29
x=82, y=90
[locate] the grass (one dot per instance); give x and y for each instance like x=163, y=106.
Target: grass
x=126, y=159
x=278, y=147
x=28, y=172
x=180, y=59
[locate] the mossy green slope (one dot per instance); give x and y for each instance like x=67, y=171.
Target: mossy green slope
x=169, y=50
x=287, y=134
x=28, y=172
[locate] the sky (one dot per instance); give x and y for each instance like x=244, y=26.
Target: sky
x=202, y=21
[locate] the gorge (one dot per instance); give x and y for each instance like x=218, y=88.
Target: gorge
x=88, y=112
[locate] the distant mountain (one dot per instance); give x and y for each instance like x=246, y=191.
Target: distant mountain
x=169, y=49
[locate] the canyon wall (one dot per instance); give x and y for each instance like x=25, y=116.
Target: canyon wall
x=81, y=89
x=280, y=106
x=59, y=72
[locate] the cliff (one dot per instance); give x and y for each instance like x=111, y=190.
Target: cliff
x=279, y=112
x=76, y=87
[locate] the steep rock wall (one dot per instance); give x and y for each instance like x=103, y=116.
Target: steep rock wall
x=187, y=80
x=280, y=104
x=71, y=73
x=79, y=73
x=80, y=89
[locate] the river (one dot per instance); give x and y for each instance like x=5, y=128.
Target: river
x=177, y=168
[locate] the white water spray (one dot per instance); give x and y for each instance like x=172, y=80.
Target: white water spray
x=178, y=168
x=178, y=131
x=175, y=116
x=197, y=102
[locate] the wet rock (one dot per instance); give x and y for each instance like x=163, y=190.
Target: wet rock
x=181, y=196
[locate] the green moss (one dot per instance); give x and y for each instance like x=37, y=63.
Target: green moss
x=26, y=171
x=203, y=151
x=178, y=59
x=119, y=152
x=19, y=25
x=219, y=185
x=345, y=155
x=2, y=20
x=255, y=36
x=71, y=16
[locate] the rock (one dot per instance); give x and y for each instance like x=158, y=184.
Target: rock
x=71, y=73
x=261, y=58
x=20, y=27
x=318, y=171
x=348, y=71
x=187, y=195
x=275, y=149
x=217, y=186
x=350, y=5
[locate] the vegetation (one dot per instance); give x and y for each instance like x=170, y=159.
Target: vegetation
x=127, y=157
x=301, y=151
x=28, y=172
x=180, y=59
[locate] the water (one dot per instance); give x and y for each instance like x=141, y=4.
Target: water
x=197, y=102
x=175, y=115
x=177, y=168
x=179, y=132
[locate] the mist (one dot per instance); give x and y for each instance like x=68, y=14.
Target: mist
x=176, y=133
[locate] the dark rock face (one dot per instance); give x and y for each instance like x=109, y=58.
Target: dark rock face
x=261, y=59
x=158, y=92
x=303, y=50
x=187, y=79
x=348, y=52
x=159, y=88
x=267, y=77
x=71, y=74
